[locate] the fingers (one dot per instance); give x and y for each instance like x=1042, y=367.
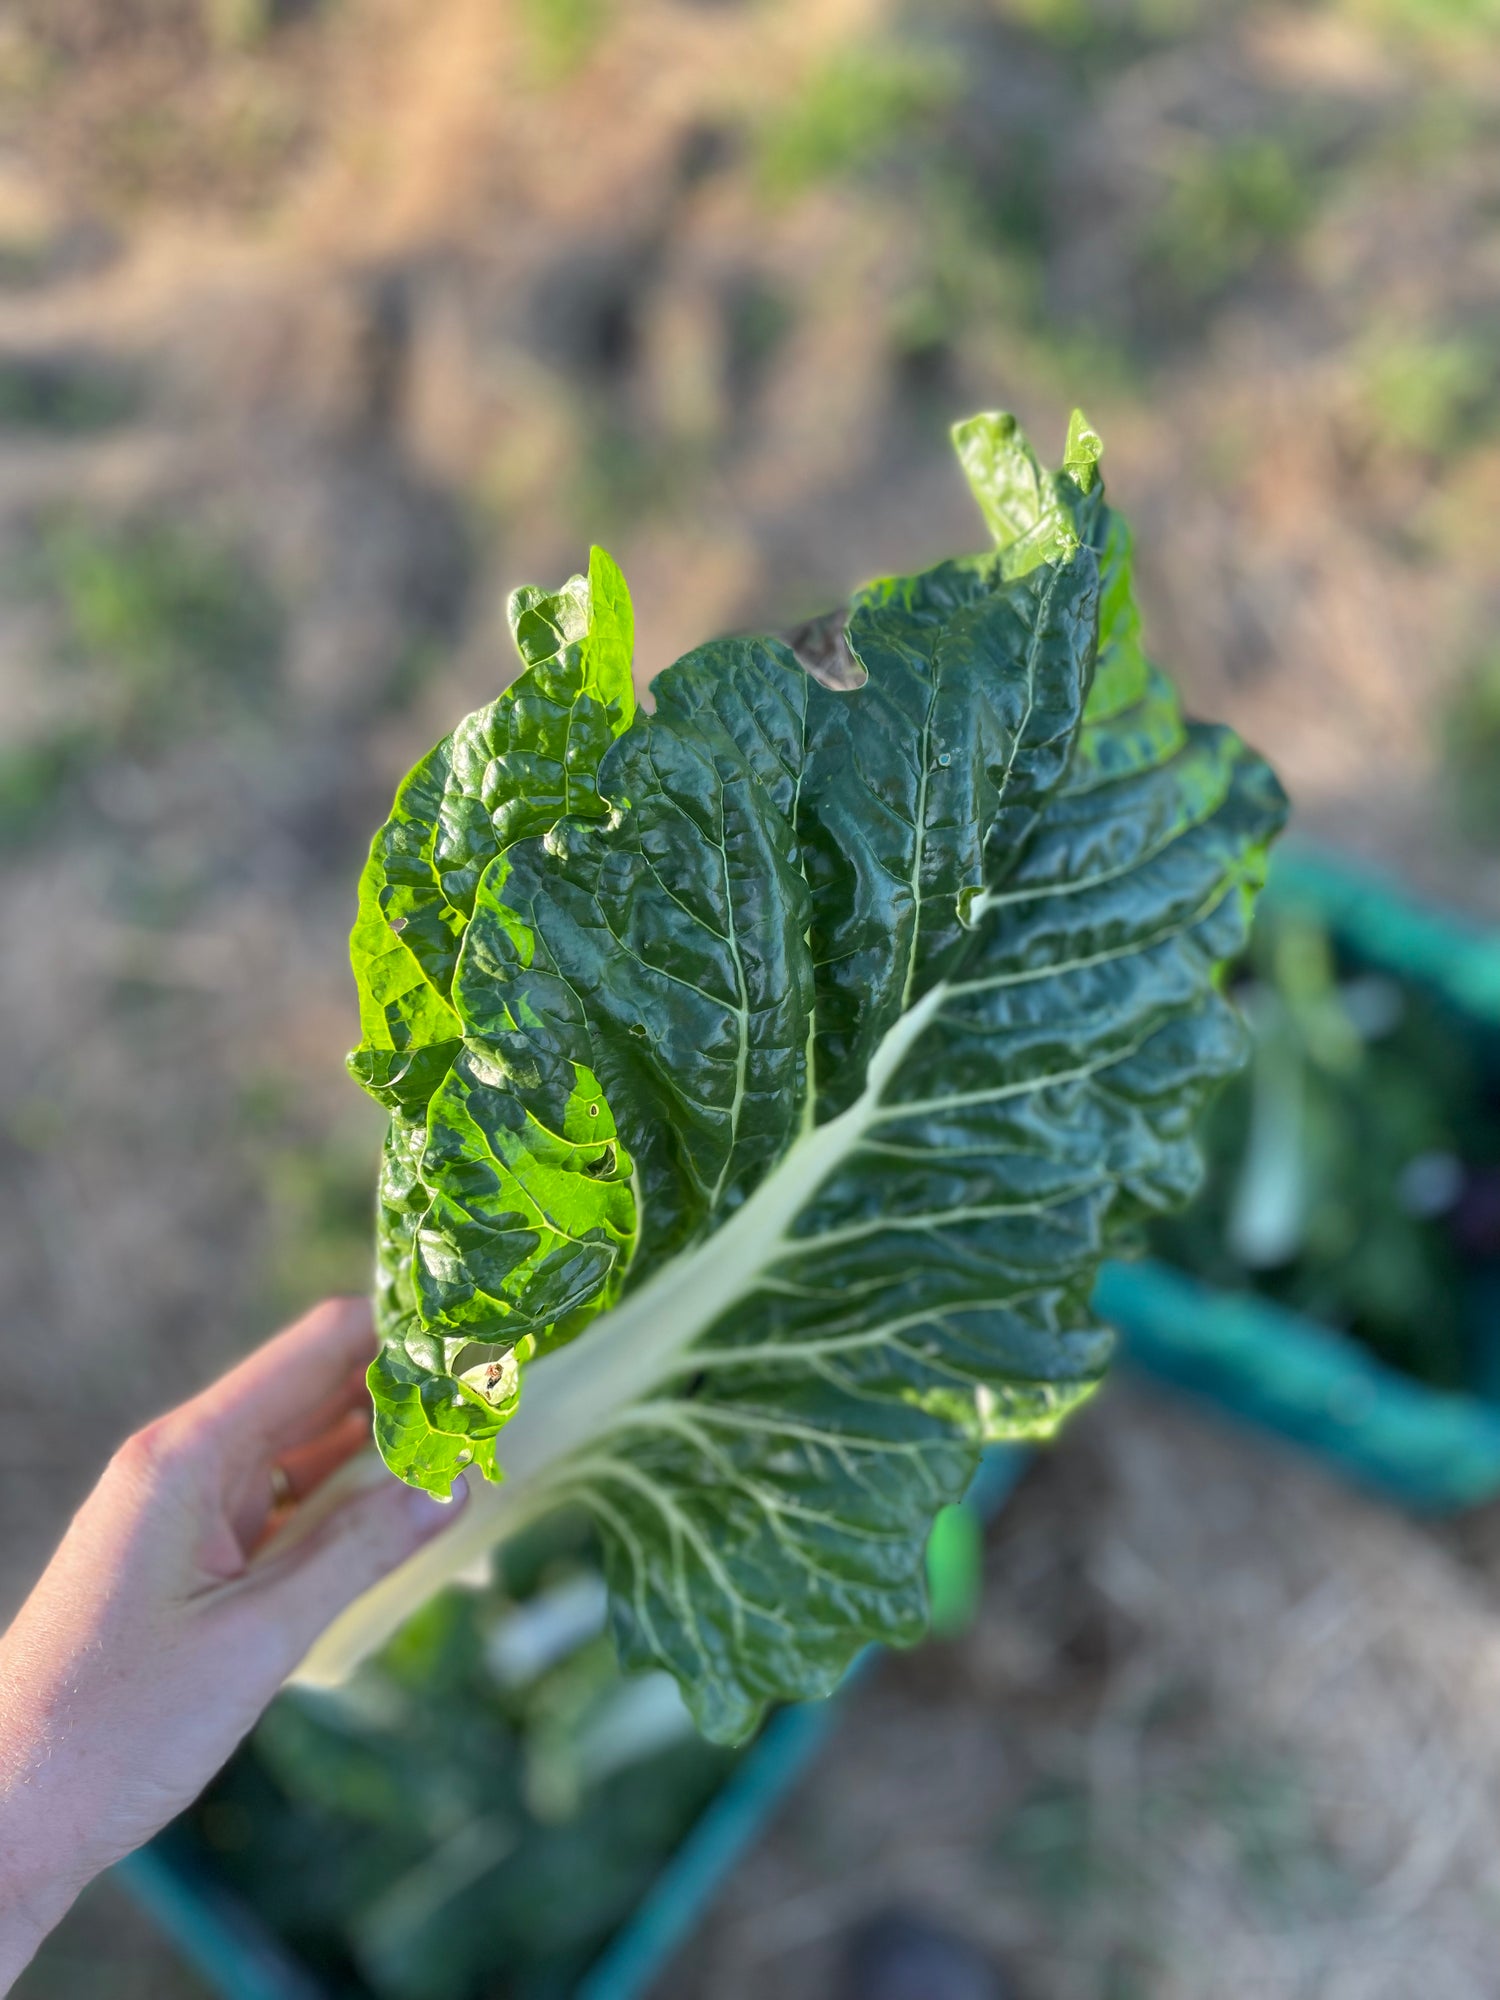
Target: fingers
x=305, y=1469
x=258, y=1499
x=324, y=1570
x=293, y=1387
x=352, y=1395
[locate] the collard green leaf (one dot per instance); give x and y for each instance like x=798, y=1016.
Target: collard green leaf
x=929, y=1289
x=1034, y=516
x=891, y=1008
x=920, y=787
x=666, y=950
x=429, y=1424
x=530, y=1221
x=507, y=771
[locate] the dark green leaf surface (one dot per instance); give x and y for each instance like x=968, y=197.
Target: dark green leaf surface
x=920, y=787
x=932, y=1290
x=826, y=1050
x=667, y=951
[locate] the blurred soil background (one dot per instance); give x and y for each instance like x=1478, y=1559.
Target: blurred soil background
x=1222, y=1732
x=323, y=323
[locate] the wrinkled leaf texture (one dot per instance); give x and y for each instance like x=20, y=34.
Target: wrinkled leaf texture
x=770, y=1072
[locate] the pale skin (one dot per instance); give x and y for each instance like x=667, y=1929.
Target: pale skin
x=190, y=1583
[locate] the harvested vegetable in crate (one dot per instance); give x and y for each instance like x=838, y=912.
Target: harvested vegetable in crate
x=489, y=1797
x=1354, y=1170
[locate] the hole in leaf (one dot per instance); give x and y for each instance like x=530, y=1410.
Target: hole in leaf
x=822, y=650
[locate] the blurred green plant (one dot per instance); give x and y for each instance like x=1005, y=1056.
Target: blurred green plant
x=849, y=112
x=238, y=26
x=1444, y=23
x=624, y=472
x=1335, y=1161
x=758, y=317
x=1065, y=22
x=563, y=33
x=979, y=291
x=318, y=1192
x=33, y=776
x=1437, y=126
x=1428, y=393
x=1469, y=744
x=1226, y=207
x=491, y=1787
x=50, y=393
x=162, y=606
x=1080, y=1853
x=1064, y=1857
x=315, y=1182
x=23, y=259
x=176, y=631
x=416, y=664
x=966, y=273
x=1096, y=41
x=1283, y=1856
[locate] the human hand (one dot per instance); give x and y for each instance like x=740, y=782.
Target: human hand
x=191, y=1582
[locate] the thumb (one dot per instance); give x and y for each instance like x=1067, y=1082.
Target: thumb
x=324, y=1570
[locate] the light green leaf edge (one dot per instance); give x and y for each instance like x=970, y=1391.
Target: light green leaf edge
x=508, y=771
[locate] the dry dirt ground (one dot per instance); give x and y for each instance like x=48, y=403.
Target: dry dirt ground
x=323, y=325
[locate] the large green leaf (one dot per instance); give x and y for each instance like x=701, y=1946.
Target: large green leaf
x=892, y=1008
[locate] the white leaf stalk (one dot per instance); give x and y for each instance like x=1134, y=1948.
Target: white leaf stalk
x=576, y=1394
